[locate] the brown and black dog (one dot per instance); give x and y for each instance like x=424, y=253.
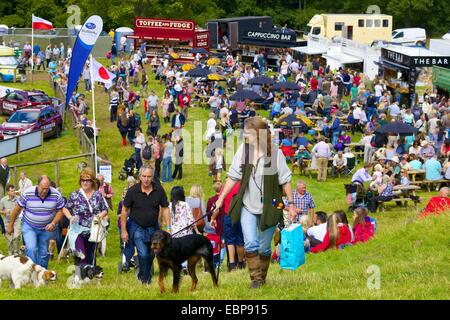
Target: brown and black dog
x=172, y=252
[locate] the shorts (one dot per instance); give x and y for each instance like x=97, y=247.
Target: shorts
x=232, y=233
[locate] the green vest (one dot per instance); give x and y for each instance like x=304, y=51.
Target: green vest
x=272, y=197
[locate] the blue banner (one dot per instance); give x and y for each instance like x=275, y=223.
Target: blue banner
x=86, y=39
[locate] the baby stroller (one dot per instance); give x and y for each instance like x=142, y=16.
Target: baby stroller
x=129, y=168
x=356, y=196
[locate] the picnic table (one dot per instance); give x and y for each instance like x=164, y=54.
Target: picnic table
x=408, y=195
x=413, y=174
x=353, y=146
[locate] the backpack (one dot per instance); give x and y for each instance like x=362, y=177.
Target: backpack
x=147, y=152
x=197, y=213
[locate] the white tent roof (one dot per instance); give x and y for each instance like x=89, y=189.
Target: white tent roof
x=309, y=50
x=124, y=29
x=343, y=58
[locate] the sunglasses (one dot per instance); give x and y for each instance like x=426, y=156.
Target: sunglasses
x=85, y=180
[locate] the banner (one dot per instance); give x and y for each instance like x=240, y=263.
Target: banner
x=86, y=39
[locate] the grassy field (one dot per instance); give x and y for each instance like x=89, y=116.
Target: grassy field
x=412, y=256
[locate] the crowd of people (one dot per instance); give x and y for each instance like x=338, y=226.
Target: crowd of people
x=247, y=209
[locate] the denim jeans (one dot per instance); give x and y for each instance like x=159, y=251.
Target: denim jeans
x=37, y=241
x=140, y=237
x=334, y=137
x=87, y=84
x=255, y=240
x=166, y=169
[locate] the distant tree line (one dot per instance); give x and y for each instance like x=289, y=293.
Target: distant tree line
x=433, y=15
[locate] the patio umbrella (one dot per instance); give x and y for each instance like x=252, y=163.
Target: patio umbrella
x=198, y=72
x=187, y=67
x=213, y=62
x=294, y=121
x=287, y=85
x=199, y=50
x=216, y=77
x=400, y=128
x=242, y=95
x=262, y=80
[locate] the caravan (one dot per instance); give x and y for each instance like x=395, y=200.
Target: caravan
x=8, y=65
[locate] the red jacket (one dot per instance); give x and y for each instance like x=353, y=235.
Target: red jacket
x=436, y=205
x=363, y=232
x=345, y=236
x=314, y=83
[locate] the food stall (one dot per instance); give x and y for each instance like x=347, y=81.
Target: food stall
x=169, y=36
x=251, y=35
x=409, y=69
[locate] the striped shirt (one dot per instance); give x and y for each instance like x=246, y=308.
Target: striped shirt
x=40, y=212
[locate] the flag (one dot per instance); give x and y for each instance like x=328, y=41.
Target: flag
x=101, y=74
x=39, y=23
x=86, y=39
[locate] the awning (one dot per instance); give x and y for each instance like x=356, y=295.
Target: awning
x=309, y=50
x=343, y=58
x=391, y=65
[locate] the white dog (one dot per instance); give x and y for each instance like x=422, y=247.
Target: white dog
x=20, y=270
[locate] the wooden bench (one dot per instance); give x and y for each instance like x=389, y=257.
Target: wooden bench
x=428, y=183
x=405, y=200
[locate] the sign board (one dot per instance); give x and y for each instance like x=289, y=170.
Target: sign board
x=106, y=172
x=273, y=38
x=201, y=40
x=443, y=62
x=8, y=147
x=395, y=57
x=30, y=140
x=164, y=28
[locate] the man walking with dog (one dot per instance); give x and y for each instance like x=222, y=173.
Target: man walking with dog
x=261, y=168
x=42, y=209
x=140, y=218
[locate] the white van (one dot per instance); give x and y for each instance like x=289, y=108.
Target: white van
x=446, y=36
x=411, y=36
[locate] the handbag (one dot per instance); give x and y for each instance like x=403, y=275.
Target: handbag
x=292, y=250
x=197, y=213
x=171, y=107
x=98, y=230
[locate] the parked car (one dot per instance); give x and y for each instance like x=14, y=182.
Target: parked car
x=19, y=99
x=411, y=36
x=33, y=119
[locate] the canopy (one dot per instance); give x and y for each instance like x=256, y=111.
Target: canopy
x=199, y=50
x=198, y=72
x=242, y=95
x=294, y=121
x=261, y=80
x=286, y=85
x=400, y=128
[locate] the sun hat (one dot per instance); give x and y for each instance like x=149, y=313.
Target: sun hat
x=395, y=159
x=302, y=147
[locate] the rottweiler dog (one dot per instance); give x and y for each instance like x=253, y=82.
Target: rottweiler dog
x=172, y=252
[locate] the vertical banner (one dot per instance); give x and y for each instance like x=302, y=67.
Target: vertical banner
x=86, y=39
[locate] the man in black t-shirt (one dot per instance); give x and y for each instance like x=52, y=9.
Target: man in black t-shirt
x=144, y=207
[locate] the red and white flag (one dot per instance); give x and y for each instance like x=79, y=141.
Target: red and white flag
x=39, y=23
x=101, y=74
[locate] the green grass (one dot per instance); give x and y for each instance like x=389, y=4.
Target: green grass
x=413, y=256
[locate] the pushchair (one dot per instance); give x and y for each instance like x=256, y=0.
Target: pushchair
x=356, y=196
x=129, y=168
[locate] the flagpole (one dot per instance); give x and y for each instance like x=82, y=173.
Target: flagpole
x=91, y=67
x=32, y=48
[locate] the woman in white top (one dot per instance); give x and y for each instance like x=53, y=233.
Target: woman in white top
x=415, y=148
x=210, y=126
x=138, y=143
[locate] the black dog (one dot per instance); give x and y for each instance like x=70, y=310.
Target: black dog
x=172, y=252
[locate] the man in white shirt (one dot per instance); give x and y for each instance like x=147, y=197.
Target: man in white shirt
x=24, y=183
x=339, y=164
x=152, y=101
x=378, y=91
x=123, y=43
x=362, y=175
x=322, y=153
x=394, y=109
x=319, y=230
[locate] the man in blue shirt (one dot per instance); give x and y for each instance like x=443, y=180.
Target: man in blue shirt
x=433, y=169
x=301, y=140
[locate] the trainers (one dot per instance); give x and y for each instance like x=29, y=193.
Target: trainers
x=232, y=266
